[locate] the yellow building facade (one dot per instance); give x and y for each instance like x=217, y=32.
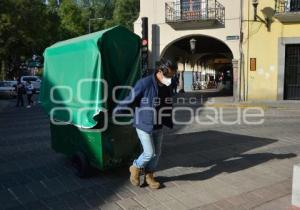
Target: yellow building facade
x=270, y=50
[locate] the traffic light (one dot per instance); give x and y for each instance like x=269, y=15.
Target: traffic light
x=144, y=28
x=145, y=45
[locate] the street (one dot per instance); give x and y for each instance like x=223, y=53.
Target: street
x=223, y=74
x=202, y=166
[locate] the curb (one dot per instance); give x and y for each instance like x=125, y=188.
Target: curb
x=263, y=106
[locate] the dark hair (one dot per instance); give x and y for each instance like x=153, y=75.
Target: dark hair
x=165, y=64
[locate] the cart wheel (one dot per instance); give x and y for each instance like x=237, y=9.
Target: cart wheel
x=81, y=164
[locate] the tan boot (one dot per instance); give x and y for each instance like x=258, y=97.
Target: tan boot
x=149, y=178
x=134, y=175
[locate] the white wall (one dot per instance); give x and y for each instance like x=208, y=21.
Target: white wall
x=155, y=11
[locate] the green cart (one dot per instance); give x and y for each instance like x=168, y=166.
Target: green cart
x=82, y=83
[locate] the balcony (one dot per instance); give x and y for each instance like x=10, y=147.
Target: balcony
x=288, y=11
x=195, y=14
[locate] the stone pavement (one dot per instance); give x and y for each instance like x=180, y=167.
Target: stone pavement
x=207, y=167
x=214, y=99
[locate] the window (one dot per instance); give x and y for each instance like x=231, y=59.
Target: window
x=31, y=79
x=191, y=9
x=292, y=72
x=193, y=5
x=294, y=5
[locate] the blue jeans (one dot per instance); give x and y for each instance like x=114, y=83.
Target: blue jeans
x=151, y=144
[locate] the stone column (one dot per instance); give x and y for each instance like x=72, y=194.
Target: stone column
x=200, y=72
x=193, y=76
x=181, y=79
x=196, y=73
x=235, y=67
x=181, y=82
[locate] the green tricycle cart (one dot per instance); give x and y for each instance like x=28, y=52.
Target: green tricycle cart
x=82, y=83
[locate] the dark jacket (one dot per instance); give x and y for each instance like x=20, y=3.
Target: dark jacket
x=20, y=87
x=142, y=100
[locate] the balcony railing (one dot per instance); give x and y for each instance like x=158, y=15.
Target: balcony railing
x=205, y=13
x=288, y=10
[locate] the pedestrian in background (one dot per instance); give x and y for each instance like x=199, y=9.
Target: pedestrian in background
x=220, y=81
x=20, y=89
x=29, y=92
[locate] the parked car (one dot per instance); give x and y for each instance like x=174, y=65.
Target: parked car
x=35, y=81
x=13, y=83
x=7, y=89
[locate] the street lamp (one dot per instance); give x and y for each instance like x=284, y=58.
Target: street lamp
x=193, y=45
x=93, y=19
x=255, y=5
x=267, y=20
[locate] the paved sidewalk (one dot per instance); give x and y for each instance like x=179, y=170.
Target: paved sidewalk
x=213, y=100
x=203, y=167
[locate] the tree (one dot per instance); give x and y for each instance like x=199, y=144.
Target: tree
x=74, y=19
x=126, y=12
x=53, y=21
x=101, y=9
x=25, y=29
x=28, y=27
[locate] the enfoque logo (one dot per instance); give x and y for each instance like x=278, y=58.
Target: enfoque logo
x=187, y=113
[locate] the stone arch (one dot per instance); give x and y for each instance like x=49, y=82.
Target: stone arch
x=209, y=49
x=167, y=46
